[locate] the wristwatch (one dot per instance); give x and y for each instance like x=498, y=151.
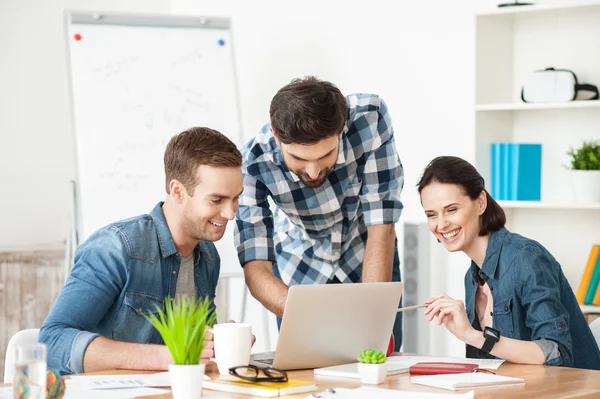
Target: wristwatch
x=491, y=337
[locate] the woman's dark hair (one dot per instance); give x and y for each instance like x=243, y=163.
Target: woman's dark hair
x=307, y=111
x=454, y=170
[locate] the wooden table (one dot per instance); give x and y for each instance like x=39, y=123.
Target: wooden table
x=541, y=382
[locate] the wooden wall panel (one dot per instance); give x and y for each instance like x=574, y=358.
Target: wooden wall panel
x=30, y=280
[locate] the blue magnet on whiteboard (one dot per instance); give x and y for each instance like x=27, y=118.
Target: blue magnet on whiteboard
x=221, y=42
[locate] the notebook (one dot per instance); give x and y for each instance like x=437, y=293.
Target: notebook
x=351, y=370
x=456, y=382
x=433, y=368
x=262, y=389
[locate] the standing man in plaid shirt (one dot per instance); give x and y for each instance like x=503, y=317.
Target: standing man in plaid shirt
x=330, y=166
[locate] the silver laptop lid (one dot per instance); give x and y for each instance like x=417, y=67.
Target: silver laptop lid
x=329, y=324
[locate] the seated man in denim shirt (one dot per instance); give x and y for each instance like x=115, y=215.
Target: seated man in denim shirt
x=127, y=268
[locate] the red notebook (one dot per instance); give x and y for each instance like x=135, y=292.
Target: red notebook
x=430, y=368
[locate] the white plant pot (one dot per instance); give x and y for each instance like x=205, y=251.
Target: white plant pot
x=372, y=373
x=586, y=185
x=186, y=380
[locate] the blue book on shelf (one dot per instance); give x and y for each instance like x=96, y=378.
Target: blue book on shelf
x=497, y=149
x=526, y=172
x=516, y=171
x=593, y=287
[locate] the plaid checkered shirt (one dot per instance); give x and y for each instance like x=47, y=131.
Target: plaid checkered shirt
x=316, y=234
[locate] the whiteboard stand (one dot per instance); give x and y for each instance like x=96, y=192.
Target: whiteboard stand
x=72, y=241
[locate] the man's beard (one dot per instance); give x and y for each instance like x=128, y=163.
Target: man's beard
x=314, y=183
x=193, y=228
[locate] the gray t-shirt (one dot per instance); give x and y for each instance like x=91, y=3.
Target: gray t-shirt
x=185, y=281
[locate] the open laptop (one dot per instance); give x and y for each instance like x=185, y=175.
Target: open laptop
x=330, y=324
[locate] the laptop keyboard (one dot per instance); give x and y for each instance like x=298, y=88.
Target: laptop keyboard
x=264, y=361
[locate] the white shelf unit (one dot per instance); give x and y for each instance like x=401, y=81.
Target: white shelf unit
x=521, y=106
x=565, y=206
x=510, y=44
x=538, y=8
x=590, y=309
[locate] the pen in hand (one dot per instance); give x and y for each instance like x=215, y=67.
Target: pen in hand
x=412, y=307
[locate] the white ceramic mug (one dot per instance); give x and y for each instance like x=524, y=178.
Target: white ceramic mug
x=233, y=342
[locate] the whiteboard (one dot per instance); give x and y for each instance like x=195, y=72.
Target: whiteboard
x=135, y=82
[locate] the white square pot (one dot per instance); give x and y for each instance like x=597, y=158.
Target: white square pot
x=186, y=380
x=586, y=185
x=372, y=373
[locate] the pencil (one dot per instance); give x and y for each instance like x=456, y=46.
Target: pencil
x=412, y=307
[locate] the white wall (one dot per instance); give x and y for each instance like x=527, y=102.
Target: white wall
x=36, y=144
x=417, y=55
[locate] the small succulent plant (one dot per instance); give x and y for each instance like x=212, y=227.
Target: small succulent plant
x=372, y=356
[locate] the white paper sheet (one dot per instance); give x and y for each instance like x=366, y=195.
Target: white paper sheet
x=6, y=393
x=122, y=381
x=75, y=391
x=377, y=393
x=465, y=380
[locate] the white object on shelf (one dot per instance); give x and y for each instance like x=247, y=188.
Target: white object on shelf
x=549, y=205
x=586, y=185
x=535, y=8
x=590, y=309
x=521, y=106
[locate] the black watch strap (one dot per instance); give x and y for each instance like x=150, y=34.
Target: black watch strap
x=488, y=344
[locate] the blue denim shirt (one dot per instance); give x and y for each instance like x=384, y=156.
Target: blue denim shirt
x=122, y=270
x=532, y=299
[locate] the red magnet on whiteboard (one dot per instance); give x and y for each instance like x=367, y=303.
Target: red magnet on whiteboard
x=77, y=36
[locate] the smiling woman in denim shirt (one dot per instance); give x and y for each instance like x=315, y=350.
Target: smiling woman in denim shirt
x=518, y=304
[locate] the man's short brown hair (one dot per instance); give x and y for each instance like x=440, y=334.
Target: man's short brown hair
x=194, y=147
x=307, y=111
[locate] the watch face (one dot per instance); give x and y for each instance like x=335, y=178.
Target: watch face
x=492, y=332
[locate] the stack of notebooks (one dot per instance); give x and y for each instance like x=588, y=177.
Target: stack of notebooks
x=588, y=292
x=261, y=389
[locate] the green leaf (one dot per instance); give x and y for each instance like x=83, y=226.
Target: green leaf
x=587, y=157
x=372, y=356
x=182, y=326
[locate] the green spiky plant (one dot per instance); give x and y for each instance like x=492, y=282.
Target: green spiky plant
x=182, y=326
x=586, y=157
x=372, y=356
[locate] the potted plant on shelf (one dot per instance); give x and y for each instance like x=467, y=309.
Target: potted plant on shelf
x=585, y=165
x=182, y=326
x=372, y=367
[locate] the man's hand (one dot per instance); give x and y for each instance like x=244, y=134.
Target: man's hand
x=209, y=348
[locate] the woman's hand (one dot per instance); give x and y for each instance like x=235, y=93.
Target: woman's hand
x=450, y=312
